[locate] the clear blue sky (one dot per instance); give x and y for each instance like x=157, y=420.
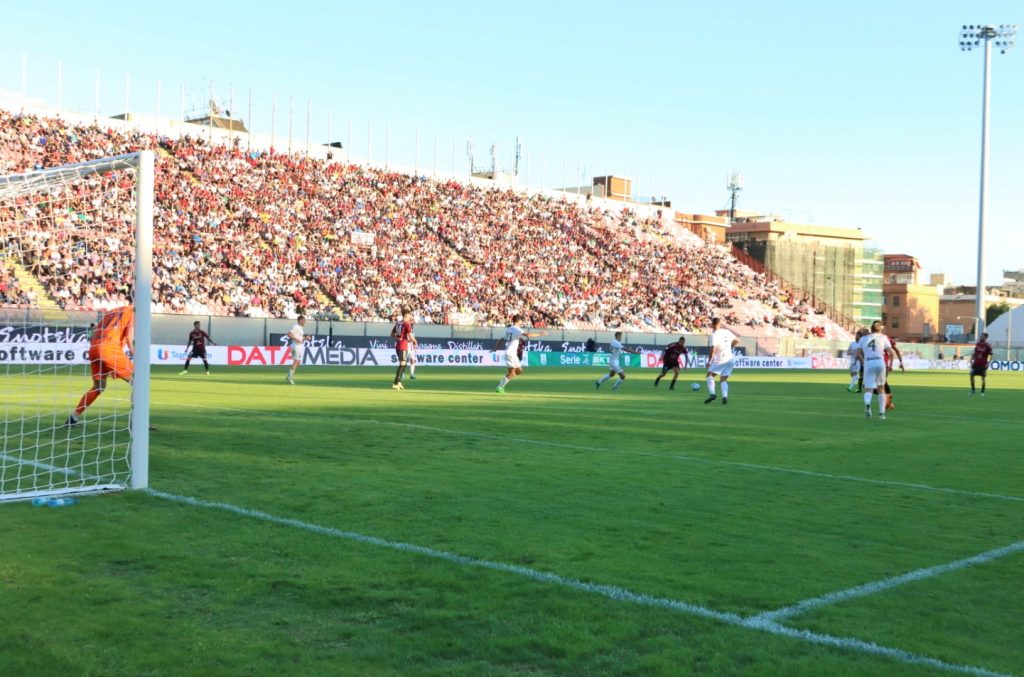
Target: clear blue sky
x=862, y=115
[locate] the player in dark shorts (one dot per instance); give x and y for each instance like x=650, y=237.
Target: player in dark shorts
x=402, y=333
x=979, y=361
x=670, y=361
x=197, y=339
x=888, y=369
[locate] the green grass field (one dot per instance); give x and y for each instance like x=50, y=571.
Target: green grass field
x=339, y=527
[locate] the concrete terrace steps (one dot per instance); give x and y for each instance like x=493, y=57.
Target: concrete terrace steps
x=46, y=304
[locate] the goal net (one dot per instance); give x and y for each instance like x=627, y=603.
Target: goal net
x=75, y=287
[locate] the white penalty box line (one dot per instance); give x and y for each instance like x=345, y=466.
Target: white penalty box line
x=608, y=450
x=876, y=587
x=759, y=622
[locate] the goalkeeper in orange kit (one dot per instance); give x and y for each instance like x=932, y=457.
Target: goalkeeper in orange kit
x=107, y=357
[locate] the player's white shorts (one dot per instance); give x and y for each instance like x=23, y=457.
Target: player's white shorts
x=874, y=373
x=613, y=365
x=722, y=368
x=296, y=351
x=512, y=361
x=854, y=366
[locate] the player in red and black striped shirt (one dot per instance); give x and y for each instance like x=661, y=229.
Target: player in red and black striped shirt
x=197, y=339
x=670, y=361
x=979, y=361
x=402, y=333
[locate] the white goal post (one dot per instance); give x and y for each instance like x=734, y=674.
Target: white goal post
x=76, y=246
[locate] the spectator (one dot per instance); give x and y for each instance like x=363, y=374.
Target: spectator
x=269, y=234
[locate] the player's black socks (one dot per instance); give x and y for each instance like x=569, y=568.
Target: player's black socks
x=398, y=374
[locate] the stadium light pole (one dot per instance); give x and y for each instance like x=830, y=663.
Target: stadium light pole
x=972, y=37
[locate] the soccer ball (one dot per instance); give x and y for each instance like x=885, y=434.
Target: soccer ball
x=694, y=387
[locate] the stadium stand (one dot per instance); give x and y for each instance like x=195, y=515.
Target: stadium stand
x=11, y=293
x=267, y=234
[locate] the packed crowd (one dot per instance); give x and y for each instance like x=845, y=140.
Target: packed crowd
x=266, y=234
x=11, y=293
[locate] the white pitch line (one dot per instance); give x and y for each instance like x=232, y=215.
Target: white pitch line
x=887, y=583
x=40, y=465
x=608, y=450
x=612, y=592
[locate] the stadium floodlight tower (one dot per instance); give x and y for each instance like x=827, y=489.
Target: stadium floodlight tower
x=972, y=37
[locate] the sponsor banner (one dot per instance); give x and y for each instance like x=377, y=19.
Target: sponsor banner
x=39, y=352
x=77, y=352
x=774, y=362
x=653, y=360
x=918, y=363
x=454, y=358
x=358, y=357
x=428, y=343
x=38, y=333
x=583, y=359
x=826, y=361
x=176, y=354
x=383, y=343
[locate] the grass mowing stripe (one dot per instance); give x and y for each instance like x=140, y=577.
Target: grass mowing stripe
x=855, y=478
x=856, y=410
x=887, y=583
x=612, y=592
x=608, y=450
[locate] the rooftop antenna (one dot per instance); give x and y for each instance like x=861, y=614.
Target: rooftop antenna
x=518, y=157
x=734, y=186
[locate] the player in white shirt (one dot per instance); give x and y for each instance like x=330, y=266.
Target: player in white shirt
x=296, y=339
x=615, y=350
x=510, y=342
x=856, y=366
x=720, y=360
x=872, y=350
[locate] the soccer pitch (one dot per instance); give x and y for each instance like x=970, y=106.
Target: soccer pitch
x=340, y=527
